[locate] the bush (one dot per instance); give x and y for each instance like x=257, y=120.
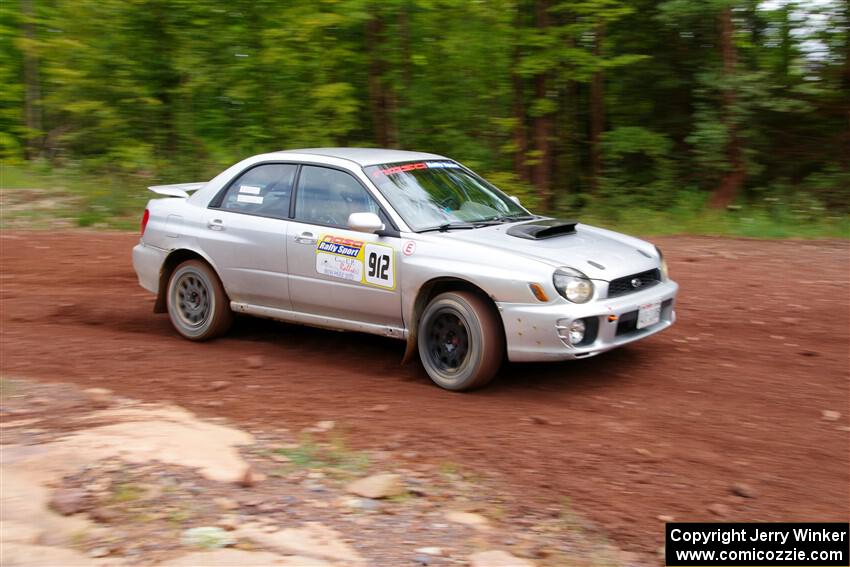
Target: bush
x=637, y=168
x=512, y=185
x=830, y=187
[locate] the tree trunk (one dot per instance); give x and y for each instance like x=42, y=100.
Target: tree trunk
x=380, y=100
x=597, y=112
x=32, y=86
x=519, y=134
x=404, y=39
x=404, y=90
x=542, y=125
x=785, y=45
x=845, y=83
x=166, y=85
x=730, y=186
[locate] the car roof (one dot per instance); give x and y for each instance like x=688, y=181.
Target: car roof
x=367, y=156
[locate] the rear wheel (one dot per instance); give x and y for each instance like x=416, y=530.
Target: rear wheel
x=460, y=340
x=197, y=304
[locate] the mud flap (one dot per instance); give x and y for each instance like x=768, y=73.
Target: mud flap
x=410, y=351
x=159, y=305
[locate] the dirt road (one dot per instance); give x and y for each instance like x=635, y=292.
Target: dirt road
x=734, y=393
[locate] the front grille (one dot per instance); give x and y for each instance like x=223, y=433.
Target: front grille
x=624, y=285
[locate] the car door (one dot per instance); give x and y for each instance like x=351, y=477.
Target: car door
x=336, y=272
x=244, y=232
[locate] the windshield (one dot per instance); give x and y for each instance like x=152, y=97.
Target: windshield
x=432, y=194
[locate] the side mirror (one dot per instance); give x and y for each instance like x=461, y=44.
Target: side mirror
x=515, y=199
x=365, y=222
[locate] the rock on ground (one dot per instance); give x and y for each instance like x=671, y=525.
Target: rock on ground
x=312, y=539
x=497, y=558
x=468, y=519
x=377, y=486
x=24, y=506
x=11, y=531
x=718, y=509
x=207, y=536
x=240, y=558
x=168, y=434
x=28, y=508
x=15, y=554
x=68, y=501
x=254, y=361
x=743, y=490
x=830, y=415
x=99, y=397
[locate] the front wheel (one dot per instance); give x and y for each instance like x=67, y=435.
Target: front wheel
x=197, y=304
x=460, y=340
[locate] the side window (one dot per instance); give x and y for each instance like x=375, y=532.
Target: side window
x=262, y=190
x=328, y=196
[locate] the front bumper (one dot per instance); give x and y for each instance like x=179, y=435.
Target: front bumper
x=532, y=332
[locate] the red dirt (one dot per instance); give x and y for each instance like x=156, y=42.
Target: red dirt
x=733, y=393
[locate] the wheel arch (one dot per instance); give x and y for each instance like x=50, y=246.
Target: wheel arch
x=431, y=289
x=174, y=259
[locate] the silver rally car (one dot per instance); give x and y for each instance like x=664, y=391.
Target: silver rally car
x=403, y=244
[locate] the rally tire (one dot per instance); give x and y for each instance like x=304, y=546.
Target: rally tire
x=197, y=304
x=461, y=341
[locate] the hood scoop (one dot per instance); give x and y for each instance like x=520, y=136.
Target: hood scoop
x=543, y=229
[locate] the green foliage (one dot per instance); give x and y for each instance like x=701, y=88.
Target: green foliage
x=335, y=455
x=512, y=185
x=830, y=187
x=638, y=167
x=37, y=195
x=207, y=537
x=13, y=132
x=778, y=212
x=121, y=94
x=126, y=492
x=687, y=214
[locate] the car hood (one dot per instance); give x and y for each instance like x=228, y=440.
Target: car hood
x=598, y=253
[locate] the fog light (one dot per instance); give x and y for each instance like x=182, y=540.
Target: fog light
x=577, y=329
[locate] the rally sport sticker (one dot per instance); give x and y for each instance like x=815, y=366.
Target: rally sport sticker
x=356, y=261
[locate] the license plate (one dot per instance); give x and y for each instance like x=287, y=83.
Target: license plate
x=649, y=314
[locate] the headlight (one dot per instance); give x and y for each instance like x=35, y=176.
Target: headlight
x=573, y=285
x=664, y=275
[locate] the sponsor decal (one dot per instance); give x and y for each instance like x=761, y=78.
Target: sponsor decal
x=409, y=248
x=250, y=189
x=405, y=167
x=412, y=166
x=356, y=261
x=442, y=165
x=249, y=199
x=341, y=246
x=350, y=269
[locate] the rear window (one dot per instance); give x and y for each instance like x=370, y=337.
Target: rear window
x=262, y=190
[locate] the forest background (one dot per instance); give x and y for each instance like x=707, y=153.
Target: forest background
x=653, y=116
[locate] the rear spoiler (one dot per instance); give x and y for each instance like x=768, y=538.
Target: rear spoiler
x=177, y=190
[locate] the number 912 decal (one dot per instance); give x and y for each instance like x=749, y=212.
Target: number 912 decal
x=356, y=261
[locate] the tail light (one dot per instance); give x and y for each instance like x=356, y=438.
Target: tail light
x=145, y=218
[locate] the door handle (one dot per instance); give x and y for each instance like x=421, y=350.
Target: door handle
x=215, y=224
x=305, y=238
